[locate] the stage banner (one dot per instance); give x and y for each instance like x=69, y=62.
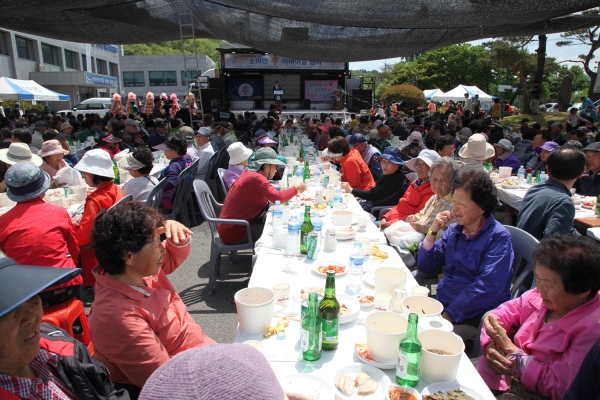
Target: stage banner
x=319, y=90
x=273, y=61
x=245, y=89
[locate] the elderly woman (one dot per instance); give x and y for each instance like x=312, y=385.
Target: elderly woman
x=475, y=152
x=415, y=145
x=441, y=176
x=31, y=219
x=544, y=151
x=354, y=169
x=542, y=337
x=505, y=157
x=418, y=192
x=33, y=363
x=175, y=148
x=475, y=254
x=98, y=173
x=52, y=153
x=573, y=121
x=139, y=165
x=238, y=161
x=248, y=198
x=389, y=188
x=16, y=153
x=110, y=144
x=138, y=321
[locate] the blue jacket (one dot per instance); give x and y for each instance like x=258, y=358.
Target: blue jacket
x=510, y=161
x=477, y=270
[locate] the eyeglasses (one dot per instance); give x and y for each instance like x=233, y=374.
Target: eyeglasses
x=419, y=164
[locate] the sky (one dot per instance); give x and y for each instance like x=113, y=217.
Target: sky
x=560, y=53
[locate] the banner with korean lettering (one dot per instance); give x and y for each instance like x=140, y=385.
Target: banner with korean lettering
x=272, y=61
x=319, y=90
x=100, y=80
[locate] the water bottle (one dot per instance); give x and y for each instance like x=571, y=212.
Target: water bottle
x=299, y=173
x=277, y=214
x=317, y=177
x=521, y=175
x=357, y=259
x=293, y=244
x=318, y=228
x=338, y=200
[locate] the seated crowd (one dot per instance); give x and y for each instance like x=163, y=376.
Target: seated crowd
x=437, y=190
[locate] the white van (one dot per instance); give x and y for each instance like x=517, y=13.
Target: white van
x=94, y=105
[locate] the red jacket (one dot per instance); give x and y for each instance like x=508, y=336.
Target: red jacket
x=356, y=172
x=246, y=199
x=411, y=203
x=40, y=234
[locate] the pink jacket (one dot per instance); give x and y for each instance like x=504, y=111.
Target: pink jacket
x=558, y=347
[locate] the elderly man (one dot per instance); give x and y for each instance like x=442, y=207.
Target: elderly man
x=228, y=136
x=547, y=208
x=157, y=135
x=368, y=153
x=589, y=183
x=557, y=135
x=131, y=134
x=531, y=158
x=384, y=135
x=37, y=139
x=202, y=150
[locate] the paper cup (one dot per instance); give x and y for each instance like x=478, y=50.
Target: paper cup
x=440, y=367
x=280, y=237
x=382, y=301
x=505, y=171
x=254, y=309
x=5, y=201
x=342, y=218
x=384, y=332
x=326, y=166
x=388, y=278
x=419, y=291
x=282, y=293
x=423, y=306
x=80, y=191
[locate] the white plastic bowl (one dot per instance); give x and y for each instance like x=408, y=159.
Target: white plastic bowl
x=254, y=309
x=384, y=332
x=438, y=367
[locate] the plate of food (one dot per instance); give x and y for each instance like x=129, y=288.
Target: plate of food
x=510, y=185
x=377, y=254
x=303, y=293
x=395, y=392
x=449, y=390
x=587, y=205
x=360, y=381
x=369, y=278
x=305, y=386
x=365, y=300
x=362, y=352
x=349, y=308
x=321, y=268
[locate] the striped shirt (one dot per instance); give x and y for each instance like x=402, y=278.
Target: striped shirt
x=45, y=387
x=434, y=206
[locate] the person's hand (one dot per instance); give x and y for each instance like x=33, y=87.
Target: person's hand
x=411, y=218
x=497, y=361
x=497, y=333
x=447, y=317
x=346, y=187
x=3, y=186
x=301, y=187
x=441, y=221
x=175, y=231
x=383, y=224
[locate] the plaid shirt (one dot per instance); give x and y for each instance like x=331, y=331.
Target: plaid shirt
x=432, y=208
x=45, y=387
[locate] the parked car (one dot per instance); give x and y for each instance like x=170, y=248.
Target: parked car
x=94, y=105
x=549, y=107
x=576, y=105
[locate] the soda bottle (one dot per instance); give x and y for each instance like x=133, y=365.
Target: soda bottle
x=305, y=229
x=311, y=339
x=409, y=355
x=329, y=312
x=357, y=259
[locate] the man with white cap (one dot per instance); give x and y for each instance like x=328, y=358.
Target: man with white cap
x=202, y=150
x=238, y=160
x=139, y=164
x=475, y=151
x=16, y=153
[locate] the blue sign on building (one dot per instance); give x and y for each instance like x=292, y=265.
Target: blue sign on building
x=108, y=47
x=95, y=79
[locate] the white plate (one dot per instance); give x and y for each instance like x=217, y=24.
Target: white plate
x=505, y=186
x=377, y=375
x=372, y=362
x=309, y=385
x=366, y=305
x=369, y=278
x=449, y=386
x=353, y=304
x=296, y=296
x=526, y=187
x=329, y=262
x=588, y=207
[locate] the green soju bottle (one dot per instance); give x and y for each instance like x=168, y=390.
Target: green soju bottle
x=597, y=211
x=302, y=152
x=306, y=176
x=311, y=340
x=305, y=229
x=117, y=179
x=329, y=312
x=409, y=355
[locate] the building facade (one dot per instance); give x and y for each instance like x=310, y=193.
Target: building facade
x=76, y=69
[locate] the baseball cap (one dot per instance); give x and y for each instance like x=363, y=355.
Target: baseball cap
x=410, y=121
x=159, y=123
x=357, y=138
x=40, y=124
x=590, y=147
x=204, y=131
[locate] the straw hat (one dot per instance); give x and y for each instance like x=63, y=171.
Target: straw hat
x=238, y=153
x=477, y=148
x=51, y=147
x=96, y=162
x=19, y=152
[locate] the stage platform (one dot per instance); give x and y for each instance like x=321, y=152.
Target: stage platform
x=343, y=114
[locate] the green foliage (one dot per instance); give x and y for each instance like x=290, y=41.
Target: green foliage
x=25, y=105
x=413, y=96
x=203, y=46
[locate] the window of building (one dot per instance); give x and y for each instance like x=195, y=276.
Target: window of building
x=101, y=66
x=163, y=78
x=113, y=69
x=3, y=47
x=50, y=54
x=93, y=64
x=71, y=59
x=83, y=62
x=191, y=76
x=24, y=48
x=131, y=79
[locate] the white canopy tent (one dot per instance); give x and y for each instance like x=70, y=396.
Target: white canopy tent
x=17, y=89
x=432, y=92
x=458, y=94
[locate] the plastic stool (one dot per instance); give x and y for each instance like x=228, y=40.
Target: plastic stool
x=65, y=315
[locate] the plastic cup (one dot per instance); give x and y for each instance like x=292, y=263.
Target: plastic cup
x=384, y=332
x=280, y=237
x=505, y=171
x=282, y=293
x=436, y=367
x=388, y=278
x=254, y=309
x=80, y=191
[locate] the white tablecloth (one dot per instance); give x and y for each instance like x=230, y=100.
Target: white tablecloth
x=284, y=355
x=156, y=169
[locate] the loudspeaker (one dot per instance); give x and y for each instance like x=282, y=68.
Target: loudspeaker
x=362, y=99
x=306, y=104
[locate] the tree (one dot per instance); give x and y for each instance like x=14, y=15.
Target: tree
x=413, y=96
x=589, y=37
x=203, y=46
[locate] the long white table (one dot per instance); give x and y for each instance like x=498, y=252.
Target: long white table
x=284, y=355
